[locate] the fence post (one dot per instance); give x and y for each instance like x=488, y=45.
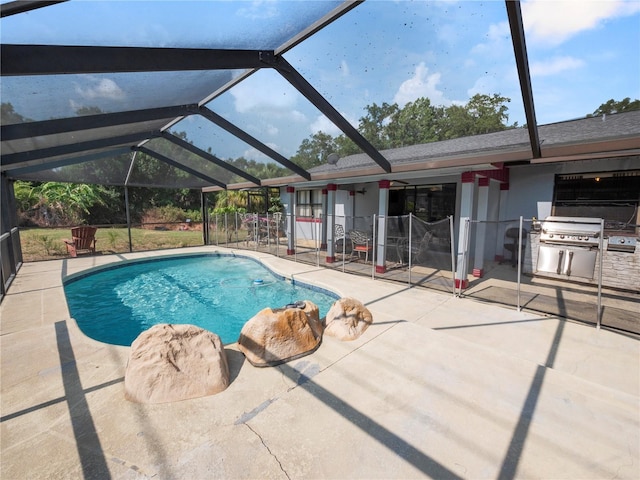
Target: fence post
x=205, y=218
x=410, y=239
x=519, y=262
x=601, y=253
x=463, y=246
x=128, y=212
x=453, y=254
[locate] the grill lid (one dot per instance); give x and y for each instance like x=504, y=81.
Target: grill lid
x=580, y=226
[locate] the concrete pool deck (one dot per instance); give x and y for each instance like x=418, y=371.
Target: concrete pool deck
x=438, y=387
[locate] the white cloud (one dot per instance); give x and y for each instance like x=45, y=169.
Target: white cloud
x=100, y=88
x=257, y=155
x=553, y=22
x=258, y=9
x=422, y=84
x=264, y=92
x=272, y=130
x=344, y=68
x=555, y=65
x=498, y=40
x=324, y=125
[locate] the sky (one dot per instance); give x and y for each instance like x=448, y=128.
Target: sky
x=581, y=54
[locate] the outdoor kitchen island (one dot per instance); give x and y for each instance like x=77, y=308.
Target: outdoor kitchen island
x=569, y=251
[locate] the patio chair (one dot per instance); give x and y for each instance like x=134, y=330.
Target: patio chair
x=419, y=249
x=511, y=244
x=82, y=238
x=339, y=239
x=360, y=243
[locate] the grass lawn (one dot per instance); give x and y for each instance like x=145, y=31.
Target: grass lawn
x=47, y=243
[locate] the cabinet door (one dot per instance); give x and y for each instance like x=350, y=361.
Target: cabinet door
x=579, y=262
x=550, y=259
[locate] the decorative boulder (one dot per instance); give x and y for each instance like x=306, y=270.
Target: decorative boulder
x=347, y=319
x=169, y=363
x=275, y=336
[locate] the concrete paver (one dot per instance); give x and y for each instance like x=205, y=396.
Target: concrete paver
x=437, y=387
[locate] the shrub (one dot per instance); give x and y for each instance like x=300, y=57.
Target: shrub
x=167, y=214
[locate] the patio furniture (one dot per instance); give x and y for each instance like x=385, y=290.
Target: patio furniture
x=511, y=243
x=399, y=244
x=82, y=238
x=361, y=243
x=419, y=248
x=339, y=239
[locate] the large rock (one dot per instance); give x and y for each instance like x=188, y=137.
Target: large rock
x=347, y=319
x=275, y=336
x=168, y=363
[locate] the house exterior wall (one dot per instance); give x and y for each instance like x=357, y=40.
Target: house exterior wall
x=530, y=194
x=531, y=186
x=366, y=204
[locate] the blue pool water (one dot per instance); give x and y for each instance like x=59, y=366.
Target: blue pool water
x=216, y=292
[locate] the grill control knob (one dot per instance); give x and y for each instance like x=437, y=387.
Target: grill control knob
x=622, y=240
x=561, y=237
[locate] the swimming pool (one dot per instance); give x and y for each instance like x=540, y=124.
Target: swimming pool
x=214, y=291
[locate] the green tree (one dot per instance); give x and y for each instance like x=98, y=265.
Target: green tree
x=612, y=106
x=345, y=146
x=9, y=116
x=417, y=122
x=373, y=126
x=481, y=114
x=83, y=111
x=314, y=151
x=230, y=201
x=57, y=203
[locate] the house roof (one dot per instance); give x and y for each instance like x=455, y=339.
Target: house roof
x=593, y=137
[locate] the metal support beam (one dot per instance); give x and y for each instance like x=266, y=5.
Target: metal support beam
x=522, y=62
x=207, y=156
x=86, y=122
x=16, y=158
x=285, y=69
x=61, y=59
x=255, y=143
x=22, y=6
x=49, y=165
x=179, y=166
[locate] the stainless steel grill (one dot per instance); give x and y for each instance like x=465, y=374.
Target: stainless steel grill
x=569, y=246
x=571, y=231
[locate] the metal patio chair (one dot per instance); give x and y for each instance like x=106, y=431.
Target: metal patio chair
x=361, y=243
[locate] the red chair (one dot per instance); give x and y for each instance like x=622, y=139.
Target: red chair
x=82, y=238
x=361, y=243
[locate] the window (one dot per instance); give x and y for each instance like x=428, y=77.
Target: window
x=614, y=196
x=428, y=202
x=309, y=203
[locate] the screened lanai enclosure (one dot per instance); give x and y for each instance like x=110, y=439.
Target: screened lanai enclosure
x=217, y=96
x=139, y=94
